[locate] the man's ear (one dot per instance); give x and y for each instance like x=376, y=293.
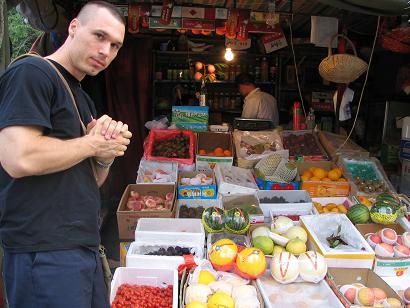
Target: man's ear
x=72, y=28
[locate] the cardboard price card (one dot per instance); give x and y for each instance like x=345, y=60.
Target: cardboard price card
x=274, y=41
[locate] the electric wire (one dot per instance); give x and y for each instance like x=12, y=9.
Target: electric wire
x=363, y=88
x=296, y=66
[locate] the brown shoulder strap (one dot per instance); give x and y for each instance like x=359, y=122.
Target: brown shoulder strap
x=84, y=129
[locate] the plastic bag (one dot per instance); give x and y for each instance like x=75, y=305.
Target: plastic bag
x=253, y=145
x=157, y=124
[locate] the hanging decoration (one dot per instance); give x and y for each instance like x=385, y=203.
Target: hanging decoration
x=133, y=18
x=166, y=12
x=232, y=23
x=243, y=25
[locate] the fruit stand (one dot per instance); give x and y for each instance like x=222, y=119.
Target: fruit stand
x=200, y=213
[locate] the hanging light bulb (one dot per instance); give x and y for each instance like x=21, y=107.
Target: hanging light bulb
x=228, y=54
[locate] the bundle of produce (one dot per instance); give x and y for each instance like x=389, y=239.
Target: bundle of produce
x=387, y=243
x=234, y=220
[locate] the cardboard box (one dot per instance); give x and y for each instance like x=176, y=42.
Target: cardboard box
x=124, y=246
x=337, y=277
x=196, y=191
x=190, y=114
x=196, y=127
x=146, y=277
x=127, y=220
x=321, y=188
x=208, y=141
x=384, y=266
x=315, y=226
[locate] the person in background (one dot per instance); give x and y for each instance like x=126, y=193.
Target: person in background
x=257, y=104
x=49, y=196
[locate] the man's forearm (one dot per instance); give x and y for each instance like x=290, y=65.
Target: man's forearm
x=43, y=155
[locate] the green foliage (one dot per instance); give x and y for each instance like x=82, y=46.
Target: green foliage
x=22, y=35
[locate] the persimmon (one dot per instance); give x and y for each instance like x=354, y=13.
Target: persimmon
x=227, y=153
x=202, y=152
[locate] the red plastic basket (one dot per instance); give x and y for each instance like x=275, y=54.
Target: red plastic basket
x=163, y=134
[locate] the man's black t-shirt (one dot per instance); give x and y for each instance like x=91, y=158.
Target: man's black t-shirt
x=58, y=210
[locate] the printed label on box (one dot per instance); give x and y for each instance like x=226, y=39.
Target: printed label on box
x=190, y=114
x=154, y=23
x=392, y=267
x=405, y=149
x=208, y=163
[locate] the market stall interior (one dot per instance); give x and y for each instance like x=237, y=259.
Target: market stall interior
x=250, y=214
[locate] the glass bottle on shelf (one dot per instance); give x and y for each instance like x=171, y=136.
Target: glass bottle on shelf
x=264, y=70
x=257, y=70
x=158, y=73
x=221, y=101
x=238, y=70
x=186, y=72
x=169, y=72
x=232, y=73
x=227, y=72
x=175, y=72
x=202, y=94
x=227, y=101
x=310, y=119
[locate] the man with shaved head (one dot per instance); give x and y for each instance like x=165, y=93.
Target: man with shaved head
x=54, y=155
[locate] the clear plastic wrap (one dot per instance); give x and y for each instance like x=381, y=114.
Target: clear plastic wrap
x=254, y=145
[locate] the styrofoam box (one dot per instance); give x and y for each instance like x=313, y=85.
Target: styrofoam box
x=337, y=200
x=303, y=294
x=164, y=229
x=151, y=165
x=234, y=180
x=293, y=207
x=147, y=277
x=205, y=203
x=135, y=259
x=315, y=226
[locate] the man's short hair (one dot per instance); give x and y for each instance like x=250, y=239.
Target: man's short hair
x=85, y=13
x=245, y=78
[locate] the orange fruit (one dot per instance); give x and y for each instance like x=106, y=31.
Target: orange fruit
x=211, y=154
x=307, y=174
x=202, y=152
x=342, y=180
x=227, y=153
x=314, y=178
x=320, y=173
x=334, y=174
x=304, y=178
x=326, y=180
x=219, y=152
x=312, y=169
